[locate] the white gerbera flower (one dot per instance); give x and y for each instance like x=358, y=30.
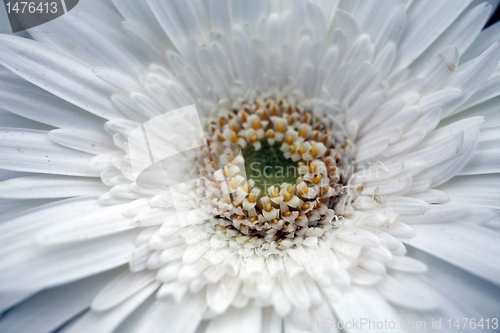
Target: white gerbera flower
x=340, y=173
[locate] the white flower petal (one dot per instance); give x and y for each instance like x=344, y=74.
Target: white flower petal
x=8, y=300
x=460, y=34
x=470, y=247
x=32, y=151
x=11, y=120
x=121, y=288
x=489, y=90
x=18, y=225
x=118, y=79
x=479, y=190
x=408, y=291
x=100, y=222
x=85, y=38
x=358, y=236
x=48, y=186
x=364, y=303
x=27, y=100
x=176, y=318
x=49, y=69
x=472, y=77
x=487, y=37
x=108, y=321
x=51, y=308
x=407, y=264
x=86, y=141
x=220, y=295
x=478, y=298
x=426, y=21
x=271, y=322
x=347, y=24
x=59, y=264
x=248, y=320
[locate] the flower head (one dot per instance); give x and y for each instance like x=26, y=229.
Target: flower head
x=266, y=165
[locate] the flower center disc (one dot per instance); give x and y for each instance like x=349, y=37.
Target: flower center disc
x=271, y=173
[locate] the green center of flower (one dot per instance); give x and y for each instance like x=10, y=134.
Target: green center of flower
x=268, y=166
